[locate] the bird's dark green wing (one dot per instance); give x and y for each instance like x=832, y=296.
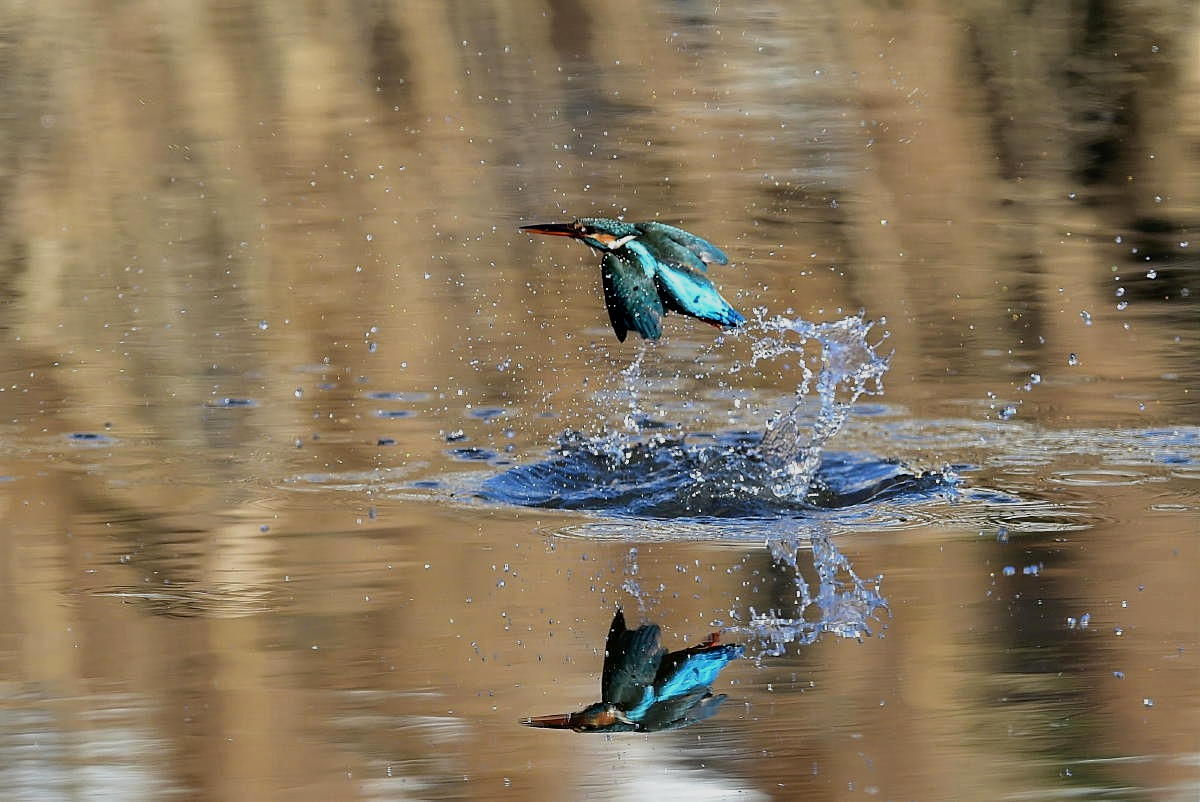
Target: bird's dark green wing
x=631, y=658
x=671, y=240
x=631, y=297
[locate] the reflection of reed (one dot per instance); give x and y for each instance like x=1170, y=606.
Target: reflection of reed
x=170, y=177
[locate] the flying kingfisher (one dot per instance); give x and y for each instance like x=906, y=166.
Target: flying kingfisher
x=646, y=689
x=649, y=269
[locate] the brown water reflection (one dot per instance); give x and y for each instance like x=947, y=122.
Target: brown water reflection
x=314, y=210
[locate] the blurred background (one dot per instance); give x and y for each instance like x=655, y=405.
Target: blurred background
x=260, y=274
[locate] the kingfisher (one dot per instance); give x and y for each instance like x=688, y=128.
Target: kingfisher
x=646, y=689
x=649, y=269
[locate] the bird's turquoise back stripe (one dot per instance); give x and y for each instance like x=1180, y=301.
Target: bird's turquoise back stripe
x=645, y=258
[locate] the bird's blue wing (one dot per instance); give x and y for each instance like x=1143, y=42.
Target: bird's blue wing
x=688, y=292
x=702, y=248
x=631, y=297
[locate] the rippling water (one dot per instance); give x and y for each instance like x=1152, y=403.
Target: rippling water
x=319, y=475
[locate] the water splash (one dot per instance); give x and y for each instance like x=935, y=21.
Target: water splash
x=847, y=367
x=631, y=378
x=735, y=474
x=844, y=604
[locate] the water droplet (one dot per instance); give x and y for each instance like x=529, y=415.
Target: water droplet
x=1151, y=273
x=264, y=325
x=1086, y=317
x=298, y=392
x=1007, y=412
x=1072, y=359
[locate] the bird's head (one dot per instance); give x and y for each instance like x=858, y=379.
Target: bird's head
x=600, y=717
x=600, y=233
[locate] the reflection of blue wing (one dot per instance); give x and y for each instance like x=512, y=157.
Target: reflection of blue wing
x=688, y=292
x=697, y=670
x=631, y=298
x=683, y=680
x=704, y=250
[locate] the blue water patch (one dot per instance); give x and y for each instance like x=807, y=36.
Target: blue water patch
x=232, y=403
x=89, y=437
x=471, y=454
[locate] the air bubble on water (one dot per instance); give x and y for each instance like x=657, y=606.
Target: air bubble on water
x=1086, y=317
x=264, y=325
x=1151, y=273
x=1073, y=360
x=1002, y=534
x=298, y=392
x=1007, y=412
x=1009, y=570
x=1148, y=702
x=1121, y=305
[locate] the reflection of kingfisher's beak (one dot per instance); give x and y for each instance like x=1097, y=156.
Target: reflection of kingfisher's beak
x=553, y=229
x=559, y=721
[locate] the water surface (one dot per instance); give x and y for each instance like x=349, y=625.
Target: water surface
x=272, y=340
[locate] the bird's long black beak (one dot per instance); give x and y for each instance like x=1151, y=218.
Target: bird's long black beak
x=559, y=721
x=553, y=229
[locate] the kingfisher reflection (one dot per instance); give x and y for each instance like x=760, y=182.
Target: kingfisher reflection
x=645, y=688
